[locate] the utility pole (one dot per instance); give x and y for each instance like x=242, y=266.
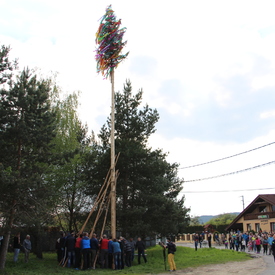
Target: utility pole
x=243, y=201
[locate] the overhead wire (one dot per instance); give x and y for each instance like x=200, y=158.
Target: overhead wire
x=232, y=173
x=224, y=191
x=204, y=163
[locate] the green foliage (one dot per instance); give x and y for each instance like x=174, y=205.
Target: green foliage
x=194, y=221
x=223, y=219
x=27, y=126
x=26, y=130
x=71, y=147
x=6, y=66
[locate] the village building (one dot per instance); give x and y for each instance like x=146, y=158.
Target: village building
x=259, y=215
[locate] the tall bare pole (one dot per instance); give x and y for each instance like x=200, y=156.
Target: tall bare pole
x=108, y=55
x=113, y=168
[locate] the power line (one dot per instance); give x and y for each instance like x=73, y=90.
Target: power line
x=195, y=165
x=224, y=191
x=232, y=173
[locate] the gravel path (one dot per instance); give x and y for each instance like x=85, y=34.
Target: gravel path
x=259, y=265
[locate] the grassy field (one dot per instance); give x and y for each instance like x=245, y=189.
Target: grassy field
x=184, y=257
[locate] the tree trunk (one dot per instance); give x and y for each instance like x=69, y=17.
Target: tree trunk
x=7, y=234
x=37, y=242
x=4, y=250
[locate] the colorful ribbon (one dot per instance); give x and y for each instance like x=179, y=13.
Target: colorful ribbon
x=109, y=39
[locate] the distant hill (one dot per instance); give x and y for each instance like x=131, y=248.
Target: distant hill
x=205, y=218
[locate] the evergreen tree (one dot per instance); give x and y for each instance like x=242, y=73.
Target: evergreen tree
x=26, y=131
x=147, y=186
x=6, y=66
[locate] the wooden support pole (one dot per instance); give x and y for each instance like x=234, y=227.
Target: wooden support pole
x=100, y=197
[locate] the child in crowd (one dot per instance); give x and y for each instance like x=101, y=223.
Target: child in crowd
x=243, y=245
x=225, y=243
x=249, y=246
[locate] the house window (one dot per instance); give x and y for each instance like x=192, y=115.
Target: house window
x=273, y=207
x=272, y=226
x=257, y=227
x=248, y=227
x=262, y=209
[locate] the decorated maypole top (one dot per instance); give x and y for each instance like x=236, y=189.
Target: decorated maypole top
x=109, y=40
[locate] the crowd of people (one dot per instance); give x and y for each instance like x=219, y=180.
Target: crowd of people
x=261, y=242
x=258, y=242
x=82, y=252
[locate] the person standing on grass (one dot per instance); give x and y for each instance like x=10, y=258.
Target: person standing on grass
x=27, y=245
x=77, y=250
x=94, y=250
x=104, y=252
x=121, y=243
x=116, y=254
x=70, y=245
x=59, y=246
x=128, y=253
x=110, y=253
x=209, y=237
x=85, y=248
x=140, y=246
x=171, y=254
x=16, y=246
x=196, y=240
x=236, y=242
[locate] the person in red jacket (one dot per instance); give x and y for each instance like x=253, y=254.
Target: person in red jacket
x=258, y=244
x=104, y=252
x=77, y=249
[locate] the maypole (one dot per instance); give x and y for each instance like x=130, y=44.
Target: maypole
x=108, y=55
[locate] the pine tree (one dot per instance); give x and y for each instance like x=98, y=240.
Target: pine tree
x=26, y=131
x=147, y=186
x=6, y=66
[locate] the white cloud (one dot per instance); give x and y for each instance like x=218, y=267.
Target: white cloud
x=267, y=114
x=263, y=82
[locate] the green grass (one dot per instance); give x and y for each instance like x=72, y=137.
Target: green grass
x=185, y=257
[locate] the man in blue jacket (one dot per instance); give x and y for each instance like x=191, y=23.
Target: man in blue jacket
x=270, y=240
x=85, y=248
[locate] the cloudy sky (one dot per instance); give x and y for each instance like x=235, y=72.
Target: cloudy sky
x=208, y=67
